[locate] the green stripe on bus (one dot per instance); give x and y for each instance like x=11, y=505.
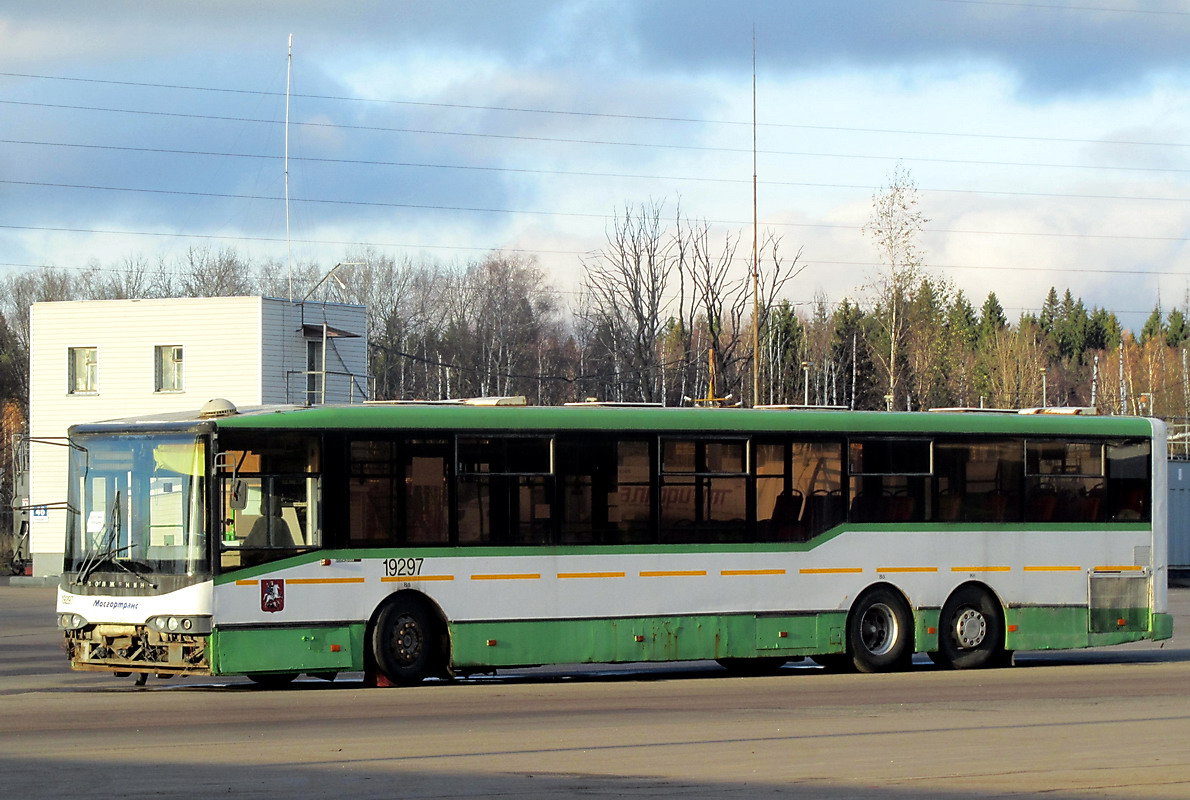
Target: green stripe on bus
x=486, y=644
x=662, y=638
x=739, y=421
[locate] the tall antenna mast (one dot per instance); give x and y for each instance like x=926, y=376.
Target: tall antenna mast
x=288, y=240
x=755, y=260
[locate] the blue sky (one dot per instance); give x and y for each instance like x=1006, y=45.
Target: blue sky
x=1049, y=139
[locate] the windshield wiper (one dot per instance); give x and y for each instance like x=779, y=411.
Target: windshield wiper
x=127, y=568
x=106, y=550
x=98, y=557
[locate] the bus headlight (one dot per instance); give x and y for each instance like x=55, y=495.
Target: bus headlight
x=178, y=623
x=71, y=622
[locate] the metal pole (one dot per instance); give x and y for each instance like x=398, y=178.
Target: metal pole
x=755, y=259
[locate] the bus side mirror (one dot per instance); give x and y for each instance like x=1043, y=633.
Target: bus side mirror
x=239, y=494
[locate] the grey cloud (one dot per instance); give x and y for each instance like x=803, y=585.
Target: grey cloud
x=1051, y=50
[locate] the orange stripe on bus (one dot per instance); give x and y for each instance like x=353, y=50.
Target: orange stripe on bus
x=1054, y=568
x=751, y=572
x=247, y=583
x=906, y=569
x=832, y=571
x=324, y=580
x=564, y=575
x=674, y=573
x=513, y=576
x=413, y=578
x=981, y=569
x=1121, y=568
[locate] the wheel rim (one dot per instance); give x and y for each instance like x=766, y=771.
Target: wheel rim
x=878, y=629
x=408, y=641
x=970, y=628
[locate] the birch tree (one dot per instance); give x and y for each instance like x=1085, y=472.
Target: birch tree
x=894, y=227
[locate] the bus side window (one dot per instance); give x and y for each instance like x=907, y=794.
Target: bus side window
x=1129, y=482
x=505, y=490
x=426, y=517
x=279, y=512
x=890, y=480
x=703, y=490
x=1064, y=481
x=818, y=475
x=978, y=481
x=587, y=495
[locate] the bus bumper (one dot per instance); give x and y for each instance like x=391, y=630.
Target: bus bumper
x=1162, y=626
x=136, y=648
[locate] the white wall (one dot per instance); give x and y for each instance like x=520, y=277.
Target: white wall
x=238, y=348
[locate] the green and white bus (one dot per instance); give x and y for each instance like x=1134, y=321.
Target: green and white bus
x=421, y=540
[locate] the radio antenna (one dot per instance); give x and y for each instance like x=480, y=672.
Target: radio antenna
x=755, y=260
x=288, y=239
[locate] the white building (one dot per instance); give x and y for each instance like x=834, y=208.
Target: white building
x=106, y=359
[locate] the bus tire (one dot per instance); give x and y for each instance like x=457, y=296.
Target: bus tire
x=971, y=630
x=410, y=642
x=880, y=631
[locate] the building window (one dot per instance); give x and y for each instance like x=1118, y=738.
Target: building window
x=168, y=360
x=82, y=370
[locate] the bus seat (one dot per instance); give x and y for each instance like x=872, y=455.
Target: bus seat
x=270, y=530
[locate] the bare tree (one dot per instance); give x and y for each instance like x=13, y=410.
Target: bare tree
x=894, y=228
x=214, y=274
x=624, y=289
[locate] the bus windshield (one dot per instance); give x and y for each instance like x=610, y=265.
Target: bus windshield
x=138, y=509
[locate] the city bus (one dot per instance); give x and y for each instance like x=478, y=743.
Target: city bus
x=415, y=541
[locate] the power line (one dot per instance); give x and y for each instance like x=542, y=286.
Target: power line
x=697, y=120
x=1056, y=7
x=691, y=148
x=374, y=162
x=696, y=179
x=576, y=253
x=583, y=215
x=831, y=303
x=276, y=239
x=618, y=175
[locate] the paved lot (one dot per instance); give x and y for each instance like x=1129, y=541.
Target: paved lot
x=1089, y=724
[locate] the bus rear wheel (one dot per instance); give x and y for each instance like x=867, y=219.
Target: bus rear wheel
x=410, y=642
x=880, y=632
x=970, y=631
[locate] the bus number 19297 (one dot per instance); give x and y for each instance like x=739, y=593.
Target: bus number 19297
x=402, y=567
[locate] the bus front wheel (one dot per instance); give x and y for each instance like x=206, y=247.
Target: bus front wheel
x=880, y=632
x=410, y=642
x=970, y=630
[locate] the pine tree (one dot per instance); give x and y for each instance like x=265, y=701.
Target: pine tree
x=1176, y=330
x=1049, y=312
x=991, y=318
x=1154, y=328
